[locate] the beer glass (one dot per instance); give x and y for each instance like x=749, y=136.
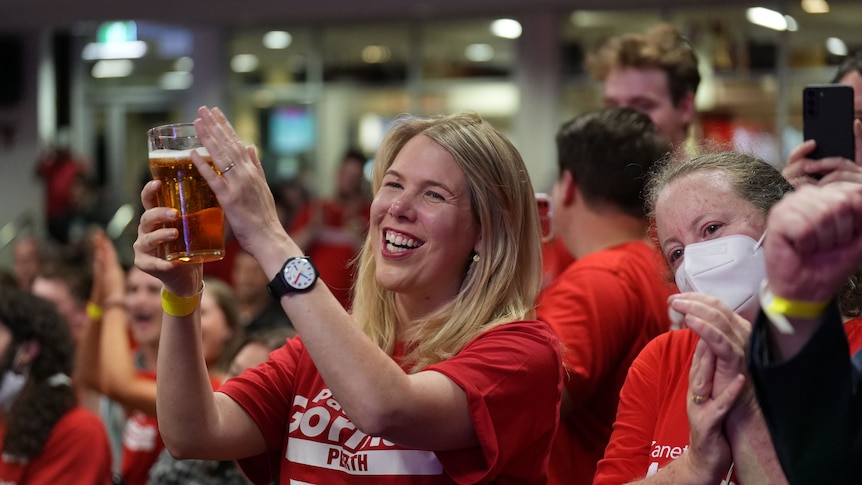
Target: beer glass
x=201, y=220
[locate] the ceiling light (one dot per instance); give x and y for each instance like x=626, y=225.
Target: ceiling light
x=770, y=19
x=479, y=52
x=176, y=81
x=114, y=50
x=376, y=54
x=815, y=6
x=112, y=68
x=184, y=64
x=836, y=47
x=277, y=39
x=506, y=28
x=244, y=63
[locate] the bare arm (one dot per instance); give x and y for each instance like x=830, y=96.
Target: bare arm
x=87, y=356
x=194, y=422
x=117, y=377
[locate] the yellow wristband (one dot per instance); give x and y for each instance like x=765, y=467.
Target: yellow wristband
x=778, y=309
x=94, y=311
x=180, y=306
x=796, y=308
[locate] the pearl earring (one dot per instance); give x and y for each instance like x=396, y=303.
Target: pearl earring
x=475, y=257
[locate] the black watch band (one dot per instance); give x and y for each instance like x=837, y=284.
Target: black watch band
x=296, y=276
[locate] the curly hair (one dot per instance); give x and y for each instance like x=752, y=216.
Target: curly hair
x=41, y=403
x=662, y=47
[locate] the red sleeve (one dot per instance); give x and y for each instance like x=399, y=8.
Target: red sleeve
x=266, y=394
x=589, y=310
x=627, y=454
x=500, y=371
x=77, y=453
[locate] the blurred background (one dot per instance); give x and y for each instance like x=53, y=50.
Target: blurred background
x=305, y=81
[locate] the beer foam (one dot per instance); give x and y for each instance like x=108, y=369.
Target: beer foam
x=178, y=154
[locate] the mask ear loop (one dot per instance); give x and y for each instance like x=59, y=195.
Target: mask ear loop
x=760, y=241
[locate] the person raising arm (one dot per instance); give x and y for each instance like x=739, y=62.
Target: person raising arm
x=417, y=385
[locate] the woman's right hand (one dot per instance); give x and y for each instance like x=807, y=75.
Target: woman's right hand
x=709, y=455
x=180, y=279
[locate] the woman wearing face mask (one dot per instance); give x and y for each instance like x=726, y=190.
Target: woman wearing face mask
x=687, y=413
x=45, y=437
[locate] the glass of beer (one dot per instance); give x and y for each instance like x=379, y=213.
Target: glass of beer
x=201, y=221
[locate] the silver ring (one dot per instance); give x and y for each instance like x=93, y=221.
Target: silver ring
x=228, y=168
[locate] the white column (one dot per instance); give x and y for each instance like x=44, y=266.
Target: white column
x=209, y=53
x=538, y=77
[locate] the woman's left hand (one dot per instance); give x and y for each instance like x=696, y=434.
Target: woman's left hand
x=239, y=183
x=724, y=332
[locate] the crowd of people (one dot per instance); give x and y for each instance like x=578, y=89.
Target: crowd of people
x=700, y=322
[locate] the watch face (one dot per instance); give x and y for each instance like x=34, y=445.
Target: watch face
x=299, y=274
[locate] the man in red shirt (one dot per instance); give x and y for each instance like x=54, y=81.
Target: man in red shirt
x=612, y=300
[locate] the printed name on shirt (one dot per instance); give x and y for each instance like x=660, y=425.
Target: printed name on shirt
x=138, y=435
x=667, y=452
x=321, y=435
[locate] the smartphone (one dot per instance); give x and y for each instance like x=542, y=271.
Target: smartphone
x=543, y=203
x=827, y=118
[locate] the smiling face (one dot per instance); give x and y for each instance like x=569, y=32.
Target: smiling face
x=144, y=305
x=422, y=227
x=701, y=206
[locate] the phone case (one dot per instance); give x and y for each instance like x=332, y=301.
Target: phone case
x=828, y=119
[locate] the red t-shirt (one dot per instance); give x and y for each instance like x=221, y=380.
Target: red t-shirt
x=555, y=259
x=651, y=428
x=142, y=443
x=76, y=453
x=512, y=376
x=604, y=307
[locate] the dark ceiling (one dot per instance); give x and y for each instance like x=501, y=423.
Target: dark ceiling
x=24, y=15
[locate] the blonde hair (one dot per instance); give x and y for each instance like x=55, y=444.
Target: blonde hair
x=498, y=288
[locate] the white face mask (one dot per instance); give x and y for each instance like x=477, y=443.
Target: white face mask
x=729, y=268
x=10, y=388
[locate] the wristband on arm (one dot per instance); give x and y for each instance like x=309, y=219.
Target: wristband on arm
x=779, y=309
x=95, y=311
x=180, y=306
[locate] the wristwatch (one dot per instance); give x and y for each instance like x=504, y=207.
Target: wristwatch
x=296, y=276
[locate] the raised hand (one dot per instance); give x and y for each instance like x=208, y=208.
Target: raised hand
x=183, y=279
x=239, y=183
x=801, y=170
x=813, y=242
